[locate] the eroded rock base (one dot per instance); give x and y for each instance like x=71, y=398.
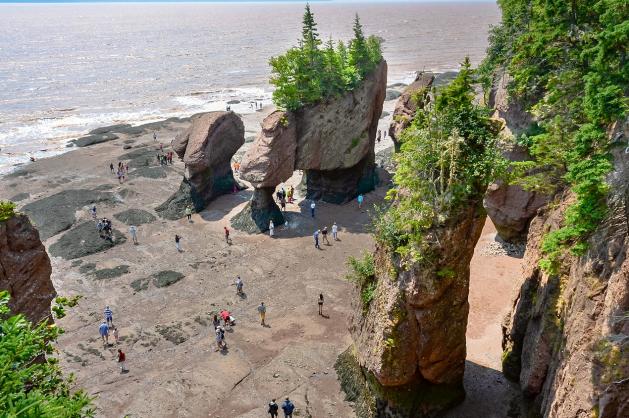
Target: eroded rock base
x=342, y=185
x=255, y=217
x=418, y=399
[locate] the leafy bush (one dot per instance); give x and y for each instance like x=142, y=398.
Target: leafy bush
x=31, y=386
x=363, y=274
x=7, y=210
x=569, y=65
x=448, y=156
x=314, y=71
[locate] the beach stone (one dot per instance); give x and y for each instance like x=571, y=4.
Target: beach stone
x=135, y=217
x=19, y=197
x=84, y=240
x=406, y=106
x=207, y=148
x=141, y=157
x=127, y=146
x=392, y=95
x=88, y=140
x=56, y=213
x=140, y=284
x=111, y=273
x=86, y=268
x=157, y=172
x=166, y=278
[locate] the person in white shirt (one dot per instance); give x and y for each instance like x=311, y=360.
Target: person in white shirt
x=335, y=231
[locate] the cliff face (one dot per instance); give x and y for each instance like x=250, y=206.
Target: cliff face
x=333, y=142
x=567, y=338
x=406, y=106
x=206, y=148
x=25, y=269
x=410, y=341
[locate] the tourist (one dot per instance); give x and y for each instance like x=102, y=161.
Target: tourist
x=378, y=136
x=120, y=176
x=335, y=232
x=273, y=408
x=116, y=337
x=360, y=199
x=93, y=211
x=291, y=194
x=121, y=361
x=283, y=204
x=227, y=240
x=262, y=312
x=126, y=168
x=154, y=136
x=384, y=136
x=177, y=243
x=316, y=239
x=312, y=208
x=220, y=338
x=109, y=315
x=216, y=322
x=111, y=167
x=189, y=213
x=271, y=228
x=321, y=304
x=161, y=147
x=133, y=230
x=239, y=286
x=324, y=235
x=103, y=330
x=288, y=408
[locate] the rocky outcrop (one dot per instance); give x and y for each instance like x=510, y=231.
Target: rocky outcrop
x=407, y=105
x=410, y=340
x=510, y=207
x=206, y=148
x=332, y=141
x=567, y=339
x=25, y=269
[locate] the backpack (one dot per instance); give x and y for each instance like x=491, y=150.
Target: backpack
x=273, y=407
x=288, y=407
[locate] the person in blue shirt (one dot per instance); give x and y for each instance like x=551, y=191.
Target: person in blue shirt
x=288, y=408
x=109, y=315
x=104, y=332
x=360, y=201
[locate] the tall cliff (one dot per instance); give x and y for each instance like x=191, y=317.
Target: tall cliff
x=25, y=269
x=567, y=339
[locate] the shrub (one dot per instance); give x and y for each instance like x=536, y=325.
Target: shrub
x=7, y=210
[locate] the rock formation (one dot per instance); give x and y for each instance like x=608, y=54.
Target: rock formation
x=510, y=207
x=567, y=339
x=410, y=340
x=206, y=148
x=407, y=105
x=25, y=269
x=332, y=142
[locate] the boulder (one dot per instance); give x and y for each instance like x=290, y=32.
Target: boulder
x=25, y=269
x=407, y=105
x=206, y=149
x=257, y=214
x=517, y=120
x=271, y=158
x=135, y=217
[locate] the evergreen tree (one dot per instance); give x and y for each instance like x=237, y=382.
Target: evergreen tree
x=358, y=51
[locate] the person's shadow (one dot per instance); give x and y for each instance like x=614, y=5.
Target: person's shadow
x=325, y=316
x=242, y=295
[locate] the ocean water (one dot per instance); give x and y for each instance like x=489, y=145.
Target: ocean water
x=68, y=68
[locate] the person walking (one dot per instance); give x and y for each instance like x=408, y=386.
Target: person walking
x=116, y=335
x=291, y=194
x=226, y=235
x=271, y=228
x=133, y=230
x=262, y=312
x=216, y=322
x=312, y=208
x=178, y=243
x=360, y=199
x=111, y=167
x=103, y=330
x=335, y=232
x=288, y=408
x=324, y=235
x=189, y=213
x=93, y=211
x=154, y=136
x=239, y=286
x=378, y=136
x=109, y=315
x=320, y=304
x=121, y=361
x=220, y=338
x=273, y=409
x=316, y=239
x=283, y=204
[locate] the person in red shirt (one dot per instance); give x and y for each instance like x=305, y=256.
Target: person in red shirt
x=121, y=361
x=226, y=235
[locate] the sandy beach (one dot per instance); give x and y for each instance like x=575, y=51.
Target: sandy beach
x=166, y=329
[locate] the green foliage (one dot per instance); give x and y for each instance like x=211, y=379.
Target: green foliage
x=312, y=71
x=569, y=65
x=362, y=272
x=61, y=302
x=448, y=156
x=31, y=385
x=7, y=210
